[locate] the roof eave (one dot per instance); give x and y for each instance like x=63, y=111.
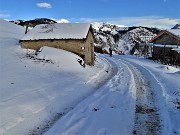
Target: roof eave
x=54, y=39
x=163, y=32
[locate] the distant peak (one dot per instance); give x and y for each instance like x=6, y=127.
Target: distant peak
x=177, y=26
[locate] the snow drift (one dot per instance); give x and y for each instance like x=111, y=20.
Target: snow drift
x=66, y=60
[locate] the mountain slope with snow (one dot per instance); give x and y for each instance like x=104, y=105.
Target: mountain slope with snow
x=11, y=31
x=121, y=38
x=133, y=37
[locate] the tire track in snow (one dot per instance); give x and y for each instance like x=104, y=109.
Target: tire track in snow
x=147, y=117
x=109, y=68
x=109, y=106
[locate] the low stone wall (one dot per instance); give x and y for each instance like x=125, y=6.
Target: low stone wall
x=69, y=45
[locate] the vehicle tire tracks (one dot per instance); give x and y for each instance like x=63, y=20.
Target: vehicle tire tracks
x=147, y=117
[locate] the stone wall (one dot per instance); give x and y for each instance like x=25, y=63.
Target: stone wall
x=89, y=49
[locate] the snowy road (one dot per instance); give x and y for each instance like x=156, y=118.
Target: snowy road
x=110, y=110
x=155, y=87
x=147, y=119
x=131, y=102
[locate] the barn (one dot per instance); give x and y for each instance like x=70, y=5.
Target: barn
x=74, y=37
x=166, y=46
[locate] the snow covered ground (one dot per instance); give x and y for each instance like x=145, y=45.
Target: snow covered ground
x=164, y=82
x=37, y=90
x=119, y=107
x=52, y=93
x=110, y=110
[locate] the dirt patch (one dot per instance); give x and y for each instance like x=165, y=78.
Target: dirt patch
x=144, y=109
x=147, y=118
x=39, y=130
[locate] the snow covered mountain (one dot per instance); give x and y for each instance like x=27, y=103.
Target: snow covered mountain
x=177, y=26
x=135, y=36
x=121, y=38
x=106, y=35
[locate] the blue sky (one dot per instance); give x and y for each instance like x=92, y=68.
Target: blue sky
x=157, y=13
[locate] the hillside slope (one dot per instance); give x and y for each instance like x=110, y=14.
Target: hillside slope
x=10, y=31
x=35, y=90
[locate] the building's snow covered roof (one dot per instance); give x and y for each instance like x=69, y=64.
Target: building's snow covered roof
x=175, y=32
x=172, y=32
x=58, y=31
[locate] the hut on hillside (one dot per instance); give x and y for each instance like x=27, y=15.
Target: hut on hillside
x=74, y=37
x=166, y=46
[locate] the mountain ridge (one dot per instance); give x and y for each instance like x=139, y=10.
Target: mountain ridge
x=121, y=39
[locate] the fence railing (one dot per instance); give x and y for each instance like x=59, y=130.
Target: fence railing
x=166, y=54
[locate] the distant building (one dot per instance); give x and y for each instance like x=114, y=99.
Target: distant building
x=168, y=37
x=74, y=37
x=166, y=47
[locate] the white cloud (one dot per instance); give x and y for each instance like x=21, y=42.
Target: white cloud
x=62, y=21
x=44, y=5
x=4, y=14
x=148, y=21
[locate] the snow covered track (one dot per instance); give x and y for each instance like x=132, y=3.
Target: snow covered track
x=105, y=110
x=147, y=118
x=109, y=68
x=127, y=104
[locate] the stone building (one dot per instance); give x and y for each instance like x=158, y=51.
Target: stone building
x=74, y=37
x=166, y=46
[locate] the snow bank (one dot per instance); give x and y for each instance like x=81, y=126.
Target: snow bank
x=168, y=69
x=66, y=60
x=10, y=30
